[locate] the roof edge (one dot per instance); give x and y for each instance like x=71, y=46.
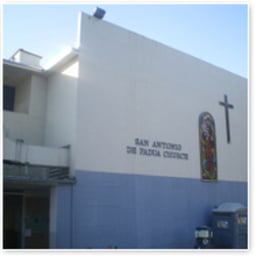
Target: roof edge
x=61, y=60
x=25, y=51
x=20, y=65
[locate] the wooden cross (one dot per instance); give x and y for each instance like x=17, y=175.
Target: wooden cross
x=227, y=106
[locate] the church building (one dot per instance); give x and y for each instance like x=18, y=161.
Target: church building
x=122, y=142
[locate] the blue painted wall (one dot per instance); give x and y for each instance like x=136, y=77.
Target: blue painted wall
x=64, y=216
x=134, y=211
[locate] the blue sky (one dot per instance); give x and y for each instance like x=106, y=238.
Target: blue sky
x=214, y=33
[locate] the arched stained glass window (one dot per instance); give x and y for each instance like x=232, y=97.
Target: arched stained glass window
x=208, y=151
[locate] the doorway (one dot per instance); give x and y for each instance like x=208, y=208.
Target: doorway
x=12, y=221
x=26, y=219
x=36, y=224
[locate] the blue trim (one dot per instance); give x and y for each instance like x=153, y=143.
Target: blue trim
x=134, y=211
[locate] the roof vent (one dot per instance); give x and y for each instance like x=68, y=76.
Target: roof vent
x=99, y=13
x=27, y=58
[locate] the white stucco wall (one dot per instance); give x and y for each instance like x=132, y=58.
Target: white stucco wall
x=60, y=110
x=22, y=96
x=38, y=96
x=60, y=123
x=132, y=87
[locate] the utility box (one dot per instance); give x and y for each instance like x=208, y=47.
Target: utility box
x=229, y=224
x=203, y=236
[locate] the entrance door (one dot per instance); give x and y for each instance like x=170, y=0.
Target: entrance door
x=26, y=219
x=36, y=229
x=12, y=221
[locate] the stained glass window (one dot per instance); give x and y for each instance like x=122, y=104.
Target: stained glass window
x=208, y=152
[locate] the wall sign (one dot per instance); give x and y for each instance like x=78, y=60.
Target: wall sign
x=208, y=153
x=159, y=149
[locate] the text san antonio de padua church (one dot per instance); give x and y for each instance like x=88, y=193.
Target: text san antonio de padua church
x=122, y=143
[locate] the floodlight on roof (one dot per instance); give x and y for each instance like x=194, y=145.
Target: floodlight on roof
x=99, y=13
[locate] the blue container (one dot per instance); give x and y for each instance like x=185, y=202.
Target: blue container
x=229, y=225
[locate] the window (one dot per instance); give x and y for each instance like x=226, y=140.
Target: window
x=208, y=152
x=9, y=95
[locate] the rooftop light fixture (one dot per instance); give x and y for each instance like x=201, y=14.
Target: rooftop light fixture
x=99, y=13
